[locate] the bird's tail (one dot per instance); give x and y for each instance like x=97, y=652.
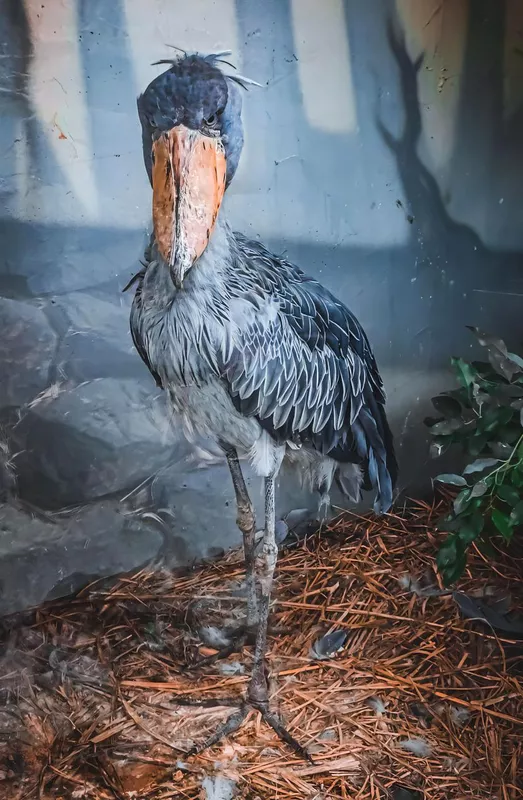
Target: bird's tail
x=375, y=444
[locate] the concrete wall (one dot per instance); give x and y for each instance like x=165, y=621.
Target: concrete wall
x=383, y=154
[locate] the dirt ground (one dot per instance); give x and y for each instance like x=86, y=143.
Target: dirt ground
x=423, y=701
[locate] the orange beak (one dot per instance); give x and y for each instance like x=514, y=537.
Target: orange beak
x=188, y=186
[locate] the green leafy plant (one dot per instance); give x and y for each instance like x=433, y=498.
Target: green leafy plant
x=484, y=416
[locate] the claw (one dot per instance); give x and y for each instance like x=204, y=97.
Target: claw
x=229, y=726
x=234, y=722
x=272, y=720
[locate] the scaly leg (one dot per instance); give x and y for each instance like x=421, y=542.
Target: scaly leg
x=247, y=524
x=257, y=694
x=258, y=686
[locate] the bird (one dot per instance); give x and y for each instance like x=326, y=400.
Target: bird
x=253, y=354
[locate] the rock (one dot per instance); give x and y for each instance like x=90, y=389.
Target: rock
x=50, y=259
x=91, y=440
x=201, y=503
x=27, y=349
x=42, y=560
x=86, y=356
x=107, y=316
x=98, y=341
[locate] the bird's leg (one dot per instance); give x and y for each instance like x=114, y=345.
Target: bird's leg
x=258, y=685
x=257, y=694
x=247, y=524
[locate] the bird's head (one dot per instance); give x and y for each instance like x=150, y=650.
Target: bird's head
x=192, y=140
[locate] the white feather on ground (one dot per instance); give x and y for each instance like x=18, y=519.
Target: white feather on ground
x=417, y=746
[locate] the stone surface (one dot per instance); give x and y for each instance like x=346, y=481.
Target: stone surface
x=27, y=348
x=81, y=442
x=97, y=340
x=42, y=259
x=41, y=560
x=202, y=507
x=107, y=315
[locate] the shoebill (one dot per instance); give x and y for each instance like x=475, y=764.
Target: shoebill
x=252, y=352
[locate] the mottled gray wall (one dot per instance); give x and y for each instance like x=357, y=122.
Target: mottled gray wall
x=383, y=154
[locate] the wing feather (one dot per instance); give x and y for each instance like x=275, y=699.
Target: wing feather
x=306, y=371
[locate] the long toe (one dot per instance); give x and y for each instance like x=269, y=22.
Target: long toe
x=234, y=722
x=229, y=726
x=282, y=732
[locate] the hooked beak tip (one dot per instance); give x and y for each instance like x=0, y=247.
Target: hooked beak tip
x=177, y=280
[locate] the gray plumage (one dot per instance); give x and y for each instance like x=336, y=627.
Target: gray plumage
x=257, y=356
x=253, y=353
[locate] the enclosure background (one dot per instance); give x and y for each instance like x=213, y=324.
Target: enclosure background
x=383, y=155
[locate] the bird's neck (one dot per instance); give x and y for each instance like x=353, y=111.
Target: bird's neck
x=206, y=278
x=215, y=260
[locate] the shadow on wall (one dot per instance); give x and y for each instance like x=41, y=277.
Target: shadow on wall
x=70, y=373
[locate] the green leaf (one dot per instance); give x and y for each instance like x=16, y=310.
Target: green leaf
x=501, y=450
x=516, y=515
x=446, y=427
x=509, y=433
x=471, y=528
x=462, y=396
x=480, y=464
x=476, y=444
x=502, y=523
x=446, y=405
x=482, y=398
x=479, y=489
x=431, y=421
x=497, y=354
x=516, y=359
x=494, y=418
x=516, y=477
x=477, y=521
x=451, y=559
x=484, y=370
x=503, y=365
x=486, y=340
x=475, y=503
x=452, y=480
x=488, y=379
x=465, y=372
x=504, y=390
x=461, y=501
x=509, y=494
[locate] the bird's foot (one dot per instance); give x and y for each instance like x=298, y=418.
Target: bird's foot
x=234, y=722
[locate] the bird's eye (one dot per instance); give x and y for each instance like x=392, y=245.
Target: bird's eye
x=212, y=121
